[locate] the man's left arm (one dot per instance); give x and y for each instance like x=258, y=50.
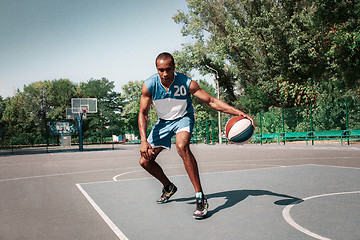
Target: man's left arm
x=215, y=103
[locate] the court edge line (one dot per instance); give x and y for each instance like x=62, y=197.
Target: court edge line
x=333, y=166
x=60, y=174
x=107, y=220
x=173, y=167
x=110, y=158
x=64, y=161
x=180, y=175
x=218, y=172
x=67, y=173
x=112, y=169
x=114, y=179
x=286, y=214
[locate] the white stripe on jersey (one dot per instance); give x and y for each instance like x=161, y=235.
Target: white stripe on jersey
x=169, y=108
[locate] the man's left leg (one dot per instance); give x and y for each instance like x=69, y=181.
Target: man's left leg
x=183, y=147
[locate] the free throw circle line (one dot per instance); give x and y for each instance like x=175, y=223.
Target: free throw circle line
x=286, y=214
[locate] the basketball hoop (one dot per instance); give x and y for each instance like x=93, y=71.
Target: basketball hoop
x=79, y=108
x=84, y=111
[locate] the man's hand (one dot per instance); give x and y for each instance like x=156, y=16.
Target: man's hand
x=146, y=151
x=248, y=117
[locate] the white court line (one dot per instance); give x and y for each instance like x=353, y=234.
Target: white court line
x=207, y=173
x=290, y=159
x=64, y=161
x=59, y=174
x=201, y=165
x=79, y=172
x=125, y=173
x=108, y=221
x=226, y=161
x=286, y=214
x=333, y=166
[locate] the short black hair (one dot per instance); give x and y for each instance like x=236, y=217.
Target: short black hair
x=163, y=56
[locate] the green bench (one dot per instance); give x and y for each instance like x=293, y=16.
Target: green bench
x=307, y=136
x=352, y=134
x=256, y=138
x=329, y=135
x=271, y=137
x=297, y=136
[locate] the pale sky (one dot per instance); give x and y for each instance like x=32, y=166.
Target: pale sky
x=83, y=39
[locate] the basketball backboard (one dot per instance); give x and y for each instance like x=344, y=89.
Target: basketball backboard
x=84, y=105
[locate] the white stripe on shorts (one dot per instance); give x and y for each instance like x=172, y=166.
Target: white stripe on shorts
x=184, y=129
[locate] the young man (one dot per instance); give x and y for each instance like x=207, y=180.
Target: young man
x=170, y=93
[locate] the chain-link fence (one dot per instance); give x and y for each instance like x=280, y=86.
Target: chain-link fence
x=342, y=115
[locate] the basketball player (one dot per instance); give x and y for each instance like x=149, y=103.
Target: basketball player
x=170, y=93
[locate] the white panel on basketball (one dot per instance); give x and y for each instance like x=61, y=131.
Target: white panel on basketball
x=239, y=127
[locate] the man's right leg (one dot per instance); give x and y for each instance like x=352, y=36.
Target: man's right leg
x=152, y=167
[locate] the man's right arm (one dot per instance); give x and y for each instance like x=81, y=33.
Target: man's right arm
x=145, y=103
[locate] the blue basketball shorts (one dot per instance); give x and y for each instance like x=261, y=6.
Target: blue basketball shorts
x=162, y=132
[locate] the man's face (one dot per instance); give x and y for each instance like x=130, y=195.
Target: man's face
x=166, y=70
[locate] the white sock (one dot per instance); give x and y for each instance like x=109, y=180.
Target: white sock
x=198, y=195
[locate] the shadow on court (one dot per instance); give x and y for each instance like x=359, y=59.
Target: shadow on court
x=236, y=196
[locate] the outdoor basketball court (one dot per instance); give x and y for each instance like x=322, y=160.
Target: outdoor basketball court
x=254, y=192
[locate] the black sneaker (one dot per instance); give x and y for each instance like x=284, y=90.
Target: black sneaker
x=167, y=192
x=201, y=208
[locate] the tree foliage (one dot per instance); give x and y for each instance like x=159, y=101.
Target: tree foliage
x=109, y=107
x=202, y=111
x=131, y=99
x=3, y=125
x=274, y=53
x=17, y=119
x=26, y=115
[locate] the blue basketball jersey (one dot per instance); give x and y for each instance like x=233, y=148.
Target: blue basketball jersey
x=174, y=103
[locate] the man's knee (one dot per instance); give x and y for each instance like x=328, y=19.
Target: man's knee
x=152, y=156
x=143, y=162
x=183, y=149
x=181, y=146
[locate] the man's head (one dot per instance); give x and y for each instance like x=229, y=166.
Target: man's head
x=165, y=56
x=165, y=66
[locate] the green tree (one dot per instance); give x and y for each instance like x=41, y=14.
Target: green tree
x=61, y=92
x=131, y=98
x=108, y=118
x=273, y=53
x=45, y=101
x=18, y=120
x=36, y=102
x=202, y=111
x=3, y=124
